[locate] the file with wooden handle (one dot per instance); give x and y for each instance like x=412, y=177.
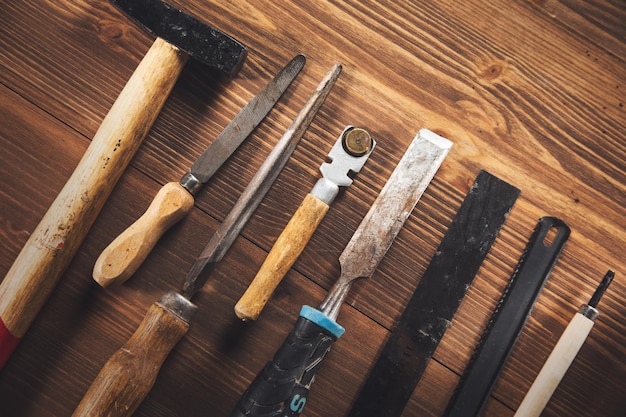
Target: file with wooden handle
x=347, y=156
x=121, y=259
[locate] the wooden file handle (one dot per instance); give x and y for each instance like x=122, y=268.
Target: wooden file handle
x=130, y=373
x=282, y=256
x=55, y=241
x=555, y=367
x=120, y=260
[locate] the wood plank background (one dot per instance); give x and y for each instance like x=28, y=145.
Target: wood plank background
x=532, y=91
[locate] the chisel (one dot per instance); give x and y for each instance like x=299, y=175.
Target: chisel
x=129, y=374
x=282, y=387
x=347, y=156
x=121, y=259
x=563, y=354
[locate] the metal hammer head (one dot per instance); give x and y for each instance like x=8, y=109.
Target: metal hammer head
x=199, y=40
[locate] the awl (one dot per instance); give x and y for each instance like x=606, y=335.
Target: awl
x=121, y=259
x=347, y=156
x=129, y=374
x=282, y=387
x=563, y=354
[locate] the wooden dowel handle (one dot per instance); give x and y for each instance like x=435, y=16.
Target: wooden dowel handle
x=130, y=373
x=555, y=367
x=55, y=241
x=121, y=259
x=282, y=256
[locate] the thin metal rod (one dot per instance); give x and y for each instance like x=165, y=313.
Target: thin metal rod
x=604, y=284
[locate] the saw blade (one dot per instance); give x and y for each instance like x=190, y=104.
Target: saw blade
x=441, y=289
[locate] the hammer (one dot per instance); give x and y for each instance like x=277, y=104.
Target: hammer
x=55, y=241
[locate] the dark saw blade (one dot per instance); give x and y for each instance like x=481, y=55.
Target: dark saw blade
x=508, y=319
x=436, y=299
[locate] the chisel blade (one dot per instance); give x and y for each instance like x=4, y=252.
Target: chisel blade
x=393, y=206
x=383, y=221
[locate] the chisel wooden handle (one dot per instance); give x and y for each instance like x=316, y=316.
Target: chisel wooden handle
x=120, y=260
x=55, y=241
x=282, y=256
x=130, y=373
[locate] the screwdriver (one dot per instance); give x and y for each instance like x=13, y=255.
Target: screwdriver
x=563, y=354
x=129, y=374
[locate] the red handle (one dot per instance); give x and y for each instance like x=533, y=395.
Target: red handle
x=8, y=343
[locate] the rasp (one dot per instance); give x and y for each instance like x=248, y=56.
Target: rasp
x=121, y=259
x=127, y=377
x=508, y=319
x=347, y=157
x=563, y=354
x=439, y=293
x=282, y=387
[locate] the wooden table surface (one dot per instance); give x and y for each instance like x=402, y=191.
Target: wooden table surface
x=531, y=91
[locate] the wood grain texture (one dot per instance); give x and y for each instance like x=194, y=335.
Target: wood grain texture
x=532, y=91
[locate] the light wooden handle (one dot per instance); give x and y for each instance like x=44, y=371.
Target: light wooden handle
x=55, y=241
x=555, y=367
x=282, y=256
x=130, y=373
x=121, y=259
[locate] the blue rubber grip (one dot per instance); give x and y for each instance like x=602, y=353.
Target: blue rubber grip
x=282, y=387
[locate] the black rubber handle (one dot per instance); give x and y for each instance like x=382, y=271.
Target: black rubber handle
x=282, y=387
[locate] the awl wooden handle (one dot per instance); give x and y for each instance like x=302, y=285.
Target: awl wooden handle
x=120, y=260
x=55, y=241
x=555, y=367
x=130, y=373
x=282, y=256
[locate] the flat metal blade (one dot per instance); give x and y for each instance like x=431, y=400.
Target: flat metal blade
x=245, y=122
x=251, y=197
x=392, y=207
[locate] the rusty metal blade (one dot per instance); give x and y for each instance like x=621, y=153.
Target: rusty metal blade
x=257, y=188
x=397, y=199
x=383, y=221
x=245, y=122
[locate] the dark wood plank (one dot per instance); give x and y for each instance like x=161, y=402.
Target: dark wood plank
x=533, y=92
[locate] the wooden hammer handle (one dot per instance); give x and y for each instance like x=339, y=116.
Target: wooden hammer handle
x=282, y=256
x=55, y=241
x=130, y=373
x=126, y=253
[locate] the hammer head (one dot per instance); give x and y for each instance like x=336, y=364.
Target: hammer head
x=199, y=40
